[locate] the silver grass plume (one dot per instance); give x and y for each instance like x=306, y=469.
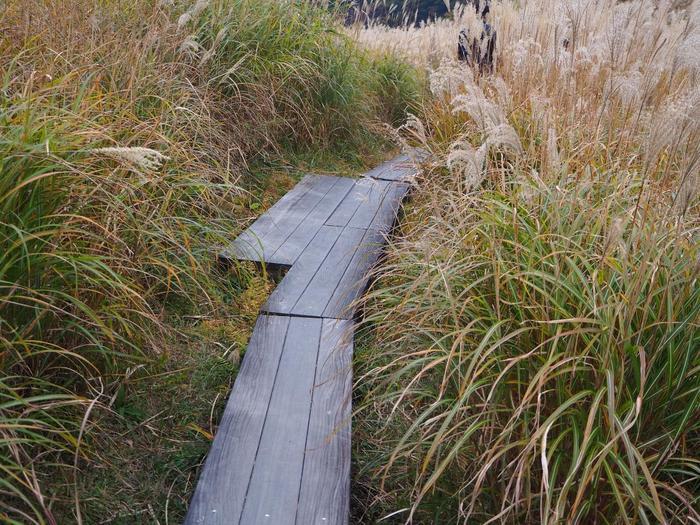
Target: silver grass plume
x=138, y=159
x=192, y=13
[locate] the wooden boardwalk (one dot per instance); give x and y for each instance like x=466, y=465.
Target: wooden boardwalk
x=281, y=454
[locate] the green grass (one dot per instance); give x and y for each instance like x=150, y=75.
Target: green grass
x=531, y=355
x=544, y=338
x=165, y=414
x=131, y=149
x=532, y=344
x=327, y=92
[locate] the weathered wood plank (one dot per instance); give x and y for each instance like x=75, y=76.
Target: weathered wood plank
x=401, y=168
x=274, y=487
x=277, y=238
x=354, y=280
x=287, y=223
x=370, y=204
x=271, y=229
x=249, y=245
x=315, y=297
x=398, y=169
x=295, y=244
x=330, y=275
x=282, y=452
x=357, y=196
x=377, y=191
x=220, y=492
x=387, y=213
x=325, y=488
x=287, y=292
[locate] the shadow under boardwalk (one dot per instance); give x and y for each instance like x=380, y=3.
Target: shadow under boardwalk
x=281, y=454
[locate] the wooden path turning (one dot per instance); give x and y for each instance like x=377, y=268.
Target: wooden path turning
x=281, y=454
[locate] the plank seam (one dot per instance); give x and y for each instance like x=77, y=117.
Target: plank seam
x=262, y=431
x=308, y=421
x=388, y=193
x=306, y=287
x=369, y=198
x=347, y=269
x=354, y=188
x=302, y=316
x=304, y=219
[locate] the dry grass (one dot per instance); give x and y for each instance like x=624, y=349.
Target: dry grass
x=534, y=348
x=126, y=129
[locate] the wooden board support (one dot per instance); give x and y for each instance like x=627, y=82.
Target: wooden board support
x=281, y=454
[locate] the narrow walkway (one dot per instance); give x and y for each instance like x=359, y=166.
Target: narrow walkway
x=282, y=451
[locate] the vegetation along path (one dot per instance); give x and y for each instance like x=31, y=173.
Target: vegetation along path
x=282, y=451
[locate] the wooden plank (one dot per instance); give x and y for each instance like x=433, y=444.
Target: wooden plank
x=358, y=195
x=354, y=280
x=272, y=228
x=287, y=292
x=398, y=169
x=295, y=244
x=282, y=452
x=386, y=215
x=325, y=487
x=371, y=204
x=249, y=245
x=273, y=493
x=281, y=234
x=221, y=489
x=330, y=274
x=365, y=213
x=288, y=222
x=315, y=297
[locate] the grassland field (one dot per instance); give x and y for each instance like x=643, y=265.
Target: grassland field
x=529, y=350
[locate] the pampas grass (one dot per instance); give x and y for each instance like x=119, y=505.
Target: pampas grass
x=143, y=158
x=534, y=335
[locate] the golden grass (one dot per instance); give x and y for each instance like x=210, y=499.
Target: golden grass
x=126, y=132
x=536, y=326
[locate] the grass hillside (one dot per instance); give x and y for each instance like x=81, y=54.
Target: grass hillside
x=531, y=350
x=135, y=139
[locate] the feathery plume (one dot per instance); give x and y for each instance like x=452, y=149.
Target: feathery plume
x=415, y=127
x=450, y=78
x=467, y=163
x=483, y=112
x=505, y=137
x=144, y=158
x=191, y=13
x=190, y=46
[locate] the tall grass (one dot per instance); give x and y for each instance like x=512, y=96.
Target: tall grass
x=125, y=131
x=534, y=341
x=295, y=71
